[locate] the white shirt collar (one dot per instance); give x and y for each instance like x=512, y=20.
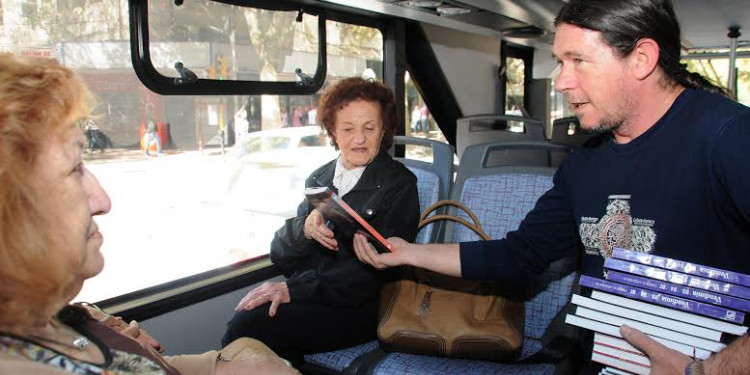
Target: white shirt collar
x=345, y=179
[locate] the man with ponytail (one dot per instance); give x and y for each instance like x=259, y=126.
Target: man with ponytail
x=668, y=174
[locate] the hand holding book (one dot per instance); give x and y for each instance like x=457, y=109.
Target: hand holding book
x=662, y=359
x=344, y=217
x=316, y=229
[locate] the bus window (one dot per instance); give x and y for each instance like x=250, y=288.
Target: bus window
x=514, y=88
x=717, y=71
x=419, y=123
x=226, y=42
x=232, y=167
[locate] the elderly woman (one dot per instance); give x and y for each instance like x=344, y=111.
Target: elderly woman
x=330, y=300
x=49, y=244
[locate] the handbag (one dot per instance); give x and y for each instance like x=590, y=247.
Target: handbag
x=434, y=314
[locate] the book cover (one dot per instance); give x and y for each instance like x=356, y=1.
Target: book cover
x=650, y=330
x=677, y=277
x=614, y=331
x=682, y=266
x=644, y=317
x=344, y=217
x=664, y=299
x=681, y=290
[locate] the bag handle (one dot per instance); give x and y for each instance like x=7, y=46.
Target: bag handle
x=475, y=226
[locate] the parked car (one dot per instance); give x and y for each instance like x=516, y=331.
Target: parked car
x=270, y=167
x=285, y=147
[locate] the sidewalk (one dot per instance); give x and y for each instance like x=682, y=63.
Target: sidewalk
x=122, y=154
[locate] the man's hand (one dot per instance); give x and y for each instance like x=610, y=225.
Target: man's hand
x=367, y=254
x=315, y=228
x=276, y=293
x=664, y=361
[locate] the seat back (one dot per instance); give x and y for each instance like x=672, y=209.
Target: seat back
x=434, y=171
x=568, y=131
x=486, y=128
x=501, y=196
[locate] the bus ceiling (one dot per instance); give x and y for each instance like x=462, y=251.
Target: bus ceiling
x=705, y=24
x=706, y=30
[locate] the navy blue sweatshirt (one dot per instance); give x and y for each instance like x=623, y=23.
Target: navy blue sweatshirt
x=681, y=190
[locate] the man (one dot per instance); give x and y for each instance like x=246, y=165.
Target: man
x=669, y=175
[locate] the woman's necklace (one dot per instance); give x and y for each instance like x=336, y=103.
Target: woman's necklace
x=78, y=342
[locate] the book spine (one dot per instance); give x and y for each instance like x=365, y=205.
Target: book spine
x=680, y=290
x=677, y=277
x=651, y=330
x=682, y=266
x=664, y=299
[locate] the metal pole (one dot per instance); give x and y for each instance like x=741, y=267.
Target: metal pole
x=734, y=33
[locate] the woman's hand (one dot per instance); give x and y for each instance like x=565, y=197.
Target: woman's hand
x=367, y=254
x=276, y=293
x=315, y=228
x=132, y=329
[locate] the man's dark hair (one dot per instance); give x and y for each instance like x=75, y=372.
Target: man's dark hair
x=624, y=22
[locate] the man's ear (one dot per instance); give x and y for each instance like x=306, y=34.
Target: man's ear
x=645, y=58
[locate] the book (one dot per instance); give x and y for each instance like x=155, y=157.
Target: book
x=664, y=299
x=602, y=339
x=344, y=217
x=620, y=364
x=649, y=318
x=682, y=266
x=677, y=277
x=681, y=290
x=613, y=371
x=614, y=331
x=651, y=330
x=636, y=358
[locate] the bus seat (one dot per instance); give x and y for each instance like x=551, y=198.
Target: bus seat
x=500, y=196
x=568, y=131
x=486, y=128
x=434, y=178
x=530, y=153
x=340, y=361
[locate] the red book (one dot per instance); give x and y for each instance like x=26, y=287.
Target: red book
x=344, y=217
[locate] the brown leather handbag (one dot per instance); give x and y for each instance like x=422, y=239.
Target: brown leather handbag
x=433, y=314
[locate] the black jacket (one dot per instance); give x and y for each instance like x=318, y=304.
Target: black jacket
x=385, y=196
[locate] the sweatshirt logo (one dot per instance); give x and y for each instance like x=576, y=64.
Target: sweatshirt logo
x=617, y=228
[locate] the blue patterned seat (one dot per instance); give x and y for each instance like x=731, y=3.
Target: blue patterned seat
x=434, y=178
x=339, y=360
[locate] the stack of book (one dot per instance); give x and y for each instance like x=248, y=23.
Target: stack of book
x=688, y=307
